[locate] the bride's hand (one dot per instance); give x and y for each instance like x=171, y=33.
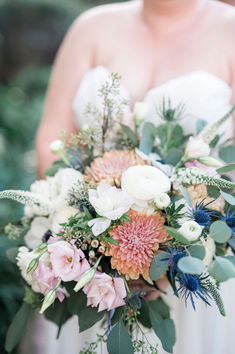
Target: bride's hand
x=140, y=285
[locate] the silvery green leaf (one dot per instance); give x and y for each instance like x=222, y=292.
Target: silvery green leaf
x=221, y=269
x=191, y=265
x=220, y=232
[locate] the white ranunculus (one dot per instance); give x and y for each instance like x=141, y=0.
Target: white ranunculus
x=191, y=230
x=110, y=202
x=54, y=190
x=140, y=112
x=196, y=147
x=144, y=183
x=39, y=226
x=61, y=216
x=210, y=249
x=57, y=146
x=24, y=257
x=162, y=200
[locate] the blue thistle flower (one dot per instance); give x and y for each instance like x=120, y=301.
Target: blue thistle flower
x=230, y=220
x=201, y=214
x=172, y=257
x=192, y=286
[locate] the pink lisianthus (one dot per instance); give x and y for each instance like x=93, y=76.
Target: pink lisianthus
x=105, y=291
x=68, y=262
x=46, y=280
x=209, y=169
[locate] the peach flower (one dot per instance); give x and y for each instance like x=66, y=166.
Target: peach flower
x=105, y=291
x=110, y=167
x=68, y=262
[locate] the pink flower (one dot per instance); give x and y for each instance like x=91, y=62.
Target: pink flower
x=209, y=169
x=68, y=262
x=105, y=291
x=46, y=280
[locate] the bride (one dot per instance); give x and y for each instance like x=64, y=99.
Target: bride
x=179, y=49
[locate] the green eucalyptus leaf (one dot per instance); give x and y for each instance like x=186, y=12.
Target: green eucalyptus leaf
x=213, y=191
x=143, y=316
x=164, y=328
x=231, y=259
x=148, y=137
x=176, y=235
x=130, y=134
x=17, y=327
x=200, y=125
x=228, y=197
x=231, y=242
x=227, y=153
x=191, y=265
x=173, y=156
x=197, y=251
x=226, y=169
x=220, y=232
x=119, y=340
x=158, y=266
x=221, y=269
x=88, y=316
x=51, y=171
x=118, y=313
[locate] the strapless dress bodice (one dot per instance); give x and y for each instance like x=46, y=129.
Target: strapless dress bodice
x=203, y=95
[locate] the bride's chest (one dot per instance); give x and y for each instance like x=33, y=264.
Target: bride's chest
x=144, y=64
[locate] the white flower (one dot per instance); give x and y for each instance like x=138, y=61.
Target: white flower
x=54, y=190
x=153, y=160
x=85, y=278
x=61, y=216
x=57, y=146
x=39, y=226
x=196, y=147
x=162, y=200
x=140, y=112
x=49, y=299
x=99, y=225
x=191, y=230
x=210, y=249
x=24, y=257
x=110, y=202
x=144, y=183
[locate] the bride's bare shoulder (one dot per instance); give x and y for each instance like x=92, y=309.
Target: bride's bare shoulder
x=104, y=17
x=224, y=14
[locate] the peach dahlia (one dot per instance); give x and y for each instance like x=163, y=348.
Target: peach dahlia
x=138, y=241
x=110, y=167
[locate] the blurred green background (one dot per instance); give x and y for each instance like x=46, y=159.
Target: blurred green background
x=30, y=33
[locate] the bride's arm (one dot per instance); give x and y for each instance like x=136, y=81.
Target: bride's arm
x=74, y=59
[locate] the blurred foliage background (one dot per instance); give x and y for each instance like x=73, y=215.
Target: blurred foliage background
x=30, y=34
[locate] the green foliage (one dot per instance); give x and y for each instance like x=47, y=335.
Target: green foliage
x=148, y=137
x=191, y=265
x=158, y=266
x=17, y=327
x=227, y=153
x=221, y=269
x=220, y=231
x=197, y=251
x=119, y=340
x=176, y=235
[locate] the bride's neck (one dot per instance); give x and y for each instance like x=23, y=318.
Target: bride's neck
x=159, y=12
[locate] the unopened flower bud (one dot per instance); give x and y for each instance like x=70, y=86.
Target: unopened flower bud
x=42, y=247
x=140, y=112
x=162, y=200
x=196, y=147
x=57, y=146
x=85, y=128
x=210, y=161
x=84, y=246
x=32, y=265
x=85, y=278
x=49, y=299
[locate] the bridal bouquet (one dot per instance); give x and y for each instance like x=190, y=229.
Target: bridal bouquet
x=123, y=206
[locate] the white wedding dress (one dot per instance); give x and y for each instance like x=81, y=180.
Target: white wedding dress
x=202, y=332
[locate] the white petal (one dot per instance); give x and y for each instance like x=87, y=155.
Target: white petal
x=99, y=225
